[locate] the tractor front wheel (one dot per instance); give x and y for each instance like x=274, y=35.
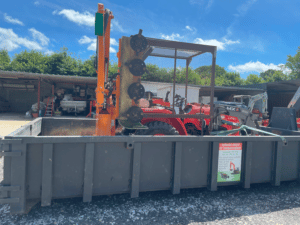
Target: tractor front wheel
x=158, y=128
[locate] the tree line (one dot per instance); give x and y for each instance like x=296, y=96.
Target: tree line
x=64, y=62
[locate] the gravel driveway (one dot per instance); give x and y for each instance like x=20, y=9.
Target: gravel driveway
x=262, y=204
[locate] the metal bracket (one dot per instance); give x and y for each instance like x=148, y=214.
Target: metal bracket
x=10, y=188
x=9, y=200
x=10, y=154
x=11, y=141
x=6, y=189
x=129, y=145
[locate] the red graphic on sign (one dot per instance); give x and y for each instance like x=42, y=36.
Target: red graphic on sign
x=230, y=146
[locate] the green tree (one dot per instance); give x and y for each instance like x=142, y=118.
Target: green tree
x=222, y=77
x=63, y=63
x=232, y=79
x=204, y=71
x=4, y=60
x=32, y=62
x=87, y=68
x=293, y=63
x=113, y=68
x=253, y=79
x=157, y=74
x=273, y=76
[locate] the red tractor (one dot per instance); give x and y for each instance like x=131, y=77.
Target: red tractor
x=177, y=126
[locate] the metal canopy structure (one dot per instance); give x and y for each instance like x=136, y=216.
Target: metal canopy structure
x=30, y=81
x=185, y=51
x=175, y=49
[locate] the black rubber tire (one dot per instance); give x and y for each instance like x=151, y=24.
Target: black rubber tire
x=158, y=127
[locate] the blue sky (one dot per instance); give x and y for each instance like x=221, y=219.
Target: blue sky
x=251, y=35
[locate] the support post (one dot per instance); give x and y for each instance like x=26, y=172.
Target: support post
x=174, y=80
x=6, y=170
x=277, y=163
x=186, y=79
x=39, y=93
x=103, y=123
x=177, y=168
x=248, y=164
x=88, y=172
x=135, y=182
x=18, y=178
x=212, y=86
x=212, y=184
x=47, y=175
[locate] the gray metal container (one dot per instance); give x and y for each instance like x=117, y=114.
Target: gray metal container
x=39, y=168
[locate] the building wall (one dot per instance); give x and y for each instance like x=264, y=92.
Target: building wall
x=162, y=88
x=22, y=100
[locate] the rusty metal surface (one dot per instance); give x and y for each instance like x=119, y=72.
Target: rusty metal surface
x=126, y=77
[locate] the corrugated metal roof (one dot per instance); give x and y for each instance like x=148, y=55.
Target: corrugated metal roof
x=93, y=81
x=286, y=85
x=49, y=77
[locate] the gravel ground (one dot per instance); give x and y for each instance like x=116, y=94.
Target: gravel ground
x=262, y=204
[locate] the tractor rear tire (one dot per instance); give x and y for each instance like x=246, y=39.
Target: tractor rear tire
x=158, y=128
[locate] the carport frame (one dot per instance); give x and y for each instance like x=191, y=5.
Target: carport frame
x=198, y=49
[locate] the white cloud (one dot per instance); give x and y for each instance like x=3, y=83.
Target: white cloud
x=221, y=45
x=39, y=37
x=255, y=67
x=193, y=29
x=172, y=37
x=9, y=19
x=188, y=28
x=112, y=50
x=36, y=3
x=11, y=41
x=93, y=45
x=48, y=52
x=86, y=40
x=209, y=4
x=242, y=9
x=116, y=26
x=85, y=18
x=113, y=42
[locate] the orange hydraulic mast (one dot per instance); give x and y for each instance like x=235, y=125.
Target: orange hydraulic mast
x=103, y=116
